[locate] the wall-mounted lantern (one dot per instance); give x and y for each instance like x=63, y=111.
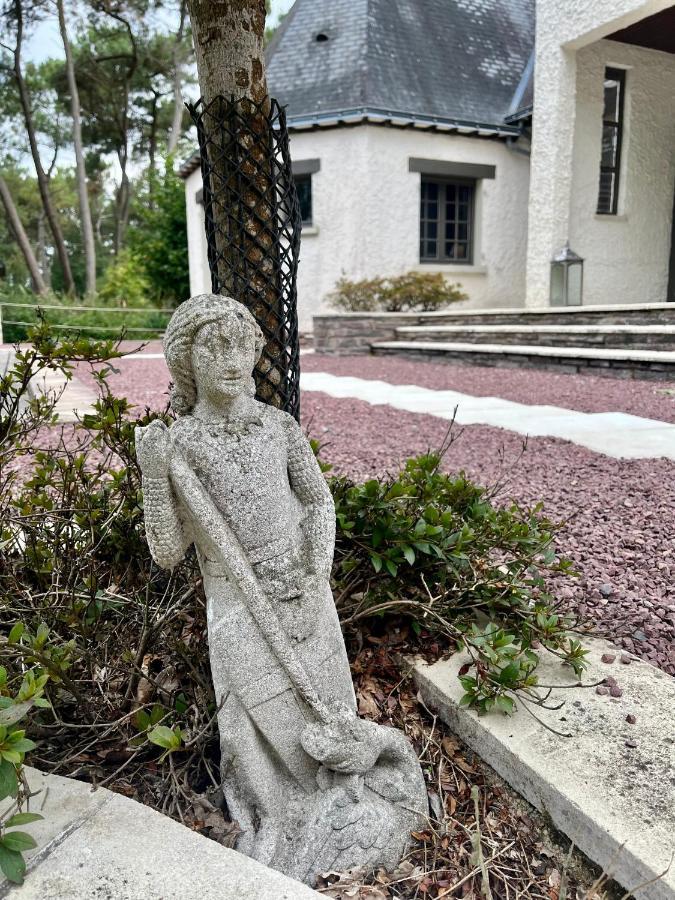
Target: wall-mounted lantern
x=567, y=278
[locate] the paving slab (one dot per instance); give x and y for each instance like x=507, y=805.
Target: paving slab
x=98, y=844
x=610, y=785
x=614, y=434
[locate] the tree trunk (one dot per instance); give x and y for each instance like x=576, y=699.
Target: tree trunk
x=22, y=238
x=82, y=193
x=178, y=108
x=229, y=47
x=43, y=182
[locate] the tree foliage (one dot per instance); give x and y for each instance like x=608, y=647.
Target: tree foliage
x=132, y=61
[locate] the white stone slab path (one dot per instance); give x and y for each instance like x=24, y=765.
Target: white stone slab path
x=615, y=434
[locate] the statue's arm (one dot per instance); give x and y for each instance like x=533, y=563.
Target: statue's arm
x=311, y=489
x=164, y=528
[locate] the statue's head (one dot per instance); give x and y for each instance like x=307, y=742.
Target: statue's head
x=211, y=344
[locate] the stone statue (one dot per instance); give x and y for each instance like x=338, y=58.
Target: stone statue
x=313, y=787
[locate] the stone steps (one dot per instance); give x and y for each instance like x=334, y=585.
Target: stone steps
x=633, y=337
x=611, y=314
x=613, y=362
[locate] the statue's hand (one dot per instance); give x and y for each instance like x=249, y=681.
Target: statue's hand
x=153, y=449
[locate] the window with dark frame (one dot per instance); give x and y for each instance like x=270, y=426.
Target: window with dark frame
x=612, y=133
x=446, y=220
x=303, y=184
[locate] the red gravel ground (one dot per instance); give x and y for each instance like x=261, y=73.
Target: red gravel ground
x=586, y=393
x=619, y=514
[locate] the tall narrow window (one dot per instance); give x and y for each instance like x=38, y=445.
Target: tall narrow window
x=303, y=184
x=446, y=221
x=612, y=129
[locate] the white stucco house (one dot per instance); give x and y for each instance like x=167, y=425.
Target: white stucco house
x=455, y=136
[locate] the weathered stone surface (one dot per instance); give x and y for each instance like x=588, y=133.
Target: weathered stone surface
x=97, y=844
x=610, y=785
x=312, y=786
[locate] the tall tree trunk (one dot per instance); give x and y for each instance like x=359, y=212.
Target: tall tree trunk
x=41, y=249
x=229, y=47
x=82, y=193
x=229, y=38
x=43, y=182
x=22, y=238
x=178, y=109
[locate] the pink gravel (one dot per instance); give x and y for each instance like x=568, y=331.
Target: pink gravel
x=585, y=393
x=619, y=514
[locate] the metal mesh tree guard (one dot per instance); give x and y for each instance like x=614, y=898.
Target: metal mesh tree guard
x=252, y=218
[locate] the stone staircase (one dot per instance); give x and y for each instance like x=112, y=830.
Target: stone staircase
x=619, y=341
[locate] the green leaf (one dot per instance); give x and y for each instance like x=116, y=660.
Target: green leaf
x=509, y=674
x=23, y=819
x=18, y=840
x=9, y=782
x=392, y=568
x=409, y=554
x=12, y=865
x=12, y=756
x=163, y=737
x=14, y=713
x=15, y=633
x=25, y=745
x=505, y=704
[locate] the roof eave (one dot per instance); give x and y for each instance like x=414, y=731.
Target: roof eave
x=392, y=118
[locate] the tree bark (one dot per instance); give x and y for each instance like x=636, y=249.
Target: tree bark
x=229, y=38
x=82, y=193
x=16, y=225
x=178, y=109
x=43, y=182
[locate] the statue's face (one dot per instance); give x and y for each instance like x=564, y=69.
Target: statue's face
x=223, y=357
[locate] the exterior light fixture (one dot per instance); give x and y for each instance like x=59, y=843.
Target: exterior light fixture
x=567, y=278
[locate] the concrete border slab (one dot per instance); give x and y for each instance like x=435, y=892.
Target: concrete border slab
x=100, y=844
x=610, y=786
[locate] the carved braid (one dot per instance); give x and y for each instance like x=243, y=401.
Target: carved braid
x=309, y=486
x=163, y=526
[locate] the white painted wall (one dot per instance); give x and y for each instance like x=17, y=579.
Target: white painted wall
x=200, y=278
x=366, y=214
x=566, y=152
x=627, y=255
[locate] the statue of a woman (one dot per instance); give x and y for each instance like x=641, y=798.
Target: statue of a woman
x=312, y=786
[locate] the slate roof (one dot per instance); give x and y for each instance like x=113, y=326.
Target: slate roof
x=462, y=65
x=453, y=59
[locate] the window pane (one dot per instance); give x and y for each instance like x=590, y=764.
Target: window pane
x=610, y=154
x=610, y=136
x=445, y=221
x=611, y=108
x=429, y=219
x=303, y=184
x=606, y=192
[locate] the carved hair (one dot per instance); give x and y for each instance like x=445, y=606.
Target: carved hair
x=190, y=317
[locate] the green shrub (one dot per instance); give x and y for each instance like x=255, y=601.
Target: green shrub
x=413, y=291
x=435, y=549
